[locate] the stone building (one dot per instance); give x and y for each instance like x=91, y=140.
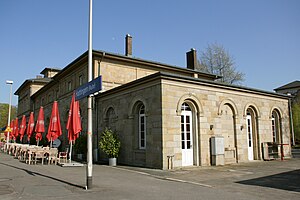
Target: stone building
x=292, y=89
x=166, y=115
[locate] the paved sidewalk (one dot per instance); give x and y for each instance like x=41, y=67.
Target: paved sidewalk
x=254, y=180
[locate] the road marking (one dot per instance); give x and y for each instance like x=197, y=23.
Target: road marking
x=163, y=178
x=190, y=182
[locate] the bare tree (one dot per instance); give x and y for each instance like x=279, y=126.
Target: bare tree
x=216, y=60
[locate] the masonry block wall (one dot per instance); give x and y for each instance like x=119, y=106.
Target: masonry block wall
x=118, y=110
x=223, y=109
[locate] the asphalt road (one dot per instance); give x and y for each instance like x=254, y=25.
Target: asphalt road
x=255, y=180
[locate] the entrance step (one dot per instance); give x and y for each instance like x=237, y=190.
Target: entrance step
x=296, y=153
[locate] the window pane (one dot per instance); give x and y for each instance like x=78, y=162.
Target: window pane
x=188, y=108
x=187, y=119
x=142, y=135
x=188, y=126
x=182, y=145
x=142, y=119
x=188, y=135
x=142, y=129
x=142, y=110
x=142, y=143
x=188, y=145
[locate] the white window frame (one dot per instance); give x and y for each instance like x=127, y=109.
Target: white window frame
x=80, y=79
x=274, y=131
x=140, y=131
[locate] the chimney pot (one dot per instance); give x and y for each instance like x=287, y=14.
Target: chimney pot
x=128, y=45
x=191, y=59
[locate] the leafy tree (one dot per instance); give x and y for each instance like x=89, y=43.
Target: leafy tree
x=4, y=114
x=216, y=60
x=296, y=121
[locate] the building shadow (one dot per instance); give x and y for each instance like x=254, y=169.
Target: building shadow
x=32, y=173
x=285, y=181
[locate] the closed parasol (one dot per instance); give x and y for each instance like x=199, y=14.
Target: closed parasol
x=40, y=126
x=54, y=128
x=22, y=127
x=74, y=122
x=30, y=126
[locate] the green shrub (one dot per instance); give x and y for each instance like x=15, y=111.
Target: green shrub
x=110, y=143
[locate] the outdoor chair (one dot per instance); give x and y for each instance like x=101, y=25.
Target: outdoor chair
x=53, y=156
x=39, y=154
x=29, y=156
x=22, y=153
x=63, y=156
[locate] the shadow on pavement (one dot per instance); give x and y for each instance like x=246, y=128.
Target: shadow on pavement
x=286, y=181
x=32, y=173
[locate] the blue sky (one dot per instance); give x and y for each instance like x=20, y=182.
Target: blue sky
x=263, y=36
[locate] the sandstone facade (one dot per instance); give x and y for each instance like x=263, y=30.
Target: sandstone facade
x=164, y=115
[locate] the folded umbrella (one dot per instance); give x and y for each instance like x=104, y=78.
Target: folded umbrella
x=40, y=126
x=16, y=128
x=22, y=127
x=54, y=128
x=74, y=122
x=30, y=126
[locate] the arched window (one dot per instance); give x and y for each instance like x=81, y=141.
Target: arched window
x=111, y=119
x=186, y=135
x=142, y=128
x=276, y=127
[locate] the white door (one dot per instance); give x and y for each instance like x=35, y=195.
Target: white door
x=249, y=137
x=186, y=138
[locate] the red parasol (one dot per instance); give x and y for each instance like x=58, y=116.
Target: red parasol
x=74, y=121
x=22, y=127
x=30, y=126
x=16, y=127
x=40, y=127
x=54, y=129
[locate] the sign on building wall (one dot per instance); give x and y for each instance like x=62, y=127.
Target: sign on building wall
x=89, y=88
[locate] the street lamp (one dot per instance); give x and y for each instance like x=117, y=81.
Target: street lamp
x=9, y=109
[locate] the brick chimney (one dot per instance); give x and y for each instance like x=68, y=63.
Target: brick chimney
x=191, y=59
x=128, y=45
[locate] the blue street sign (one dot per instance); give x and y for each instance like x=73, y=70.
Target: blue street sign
x=89, y=88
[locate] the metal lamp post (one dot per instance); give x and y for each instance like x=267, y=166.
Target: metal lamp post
x=9, y=108
x=89, y=109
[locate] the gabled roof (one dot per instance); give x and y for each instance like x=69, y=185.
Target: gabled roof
x=130, y=59
x=294, y=84
x=120, y=57
x=155, y=64
x=50, y=69
x=200, y=82
x=33, y=80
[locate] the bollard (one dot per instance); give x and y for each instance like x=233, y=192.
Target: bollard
x=170, y=161
x=281, y=148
